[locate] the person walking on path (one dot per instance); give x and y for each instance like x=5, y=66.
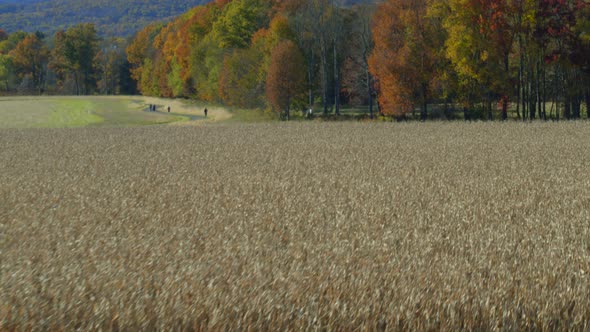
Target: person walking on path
x=205, y=112
x=168, y=109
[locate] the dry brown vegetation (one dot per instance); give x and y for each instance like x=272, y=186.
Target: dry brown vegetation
x=296, y=226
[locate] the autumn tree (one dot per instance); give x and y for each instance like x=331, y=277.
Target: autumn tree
x=243, y=77
x=315, y=25
x=30, y=60
x=479, y=44
x=239, y=83
x=357, y=79
x=6, y=72
x=113, y=73
x=10, y=42
x=239, y=21
x=405, y=55
x=139, y=54
x=265, y=39
x=285, y=83
x=73, y=56
x=302, y=18
x=200, y=54
x=580, y=55
x=564, y=38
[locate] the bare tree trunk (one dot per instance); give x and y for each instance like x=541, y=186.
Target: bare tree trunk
x=576, y=107
x=504, y=108
x=424, y=110
x=324, y=71
x=557, y=93
x=370, y=93
x=77, y=83
x=577, y=97
x=336, y=80
x=544, y=94
x=525, y=88
x=538, y=90
x=532, y=93
x=287, y=113
x=505, y=97
x=567, y=100
x=310, y=78
x=519, y=84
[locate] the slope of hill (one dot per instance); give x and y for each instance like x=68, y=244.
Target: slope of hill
x=112, y=17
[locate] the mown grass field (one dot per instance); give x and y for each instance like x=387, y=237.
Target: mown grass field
x=296, y=226
x=86, y=111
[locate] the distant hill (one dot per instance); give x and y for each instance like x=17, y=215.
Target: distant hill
x=111, y=17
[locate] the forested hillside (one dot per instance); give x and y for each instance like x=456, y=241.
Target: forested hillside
x=111, y=17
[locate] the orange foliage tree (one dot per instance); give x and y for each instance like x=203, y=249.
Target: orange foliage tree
x=139, y=55
x=29, y=58
x=406, y=55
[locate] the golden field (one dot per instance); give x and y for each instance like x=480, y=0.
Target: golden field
x=298, y=226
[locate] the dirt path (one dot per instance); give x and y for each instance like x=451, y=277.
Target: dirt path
x=180, y=107
x=37, y=111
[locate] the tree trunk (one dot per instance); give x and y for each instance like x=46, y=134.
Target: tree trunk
x=544, y=94
x=525, y=89
x=520, y=84
x=504, y=108
x=538, y=89
x=491, y=109
x=287, y=112
x=77, y=83
x=532, y=93
x=424, y=108
x=578, y=92
x=324, y=71
x=519, y=88
x=505, y=97
x=557, y=96
x=310, y=79
x=567, y=109
x=336, y=81
x=576, y=107
x=370, y=93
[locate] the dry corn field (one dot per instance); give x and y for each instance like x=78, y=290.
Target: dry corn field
x=300, y=226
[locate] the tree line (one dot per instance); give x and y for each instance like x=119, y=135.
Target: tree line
x=475, y=58
x=530, y=56
x=282, y=55
x=73, y=61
